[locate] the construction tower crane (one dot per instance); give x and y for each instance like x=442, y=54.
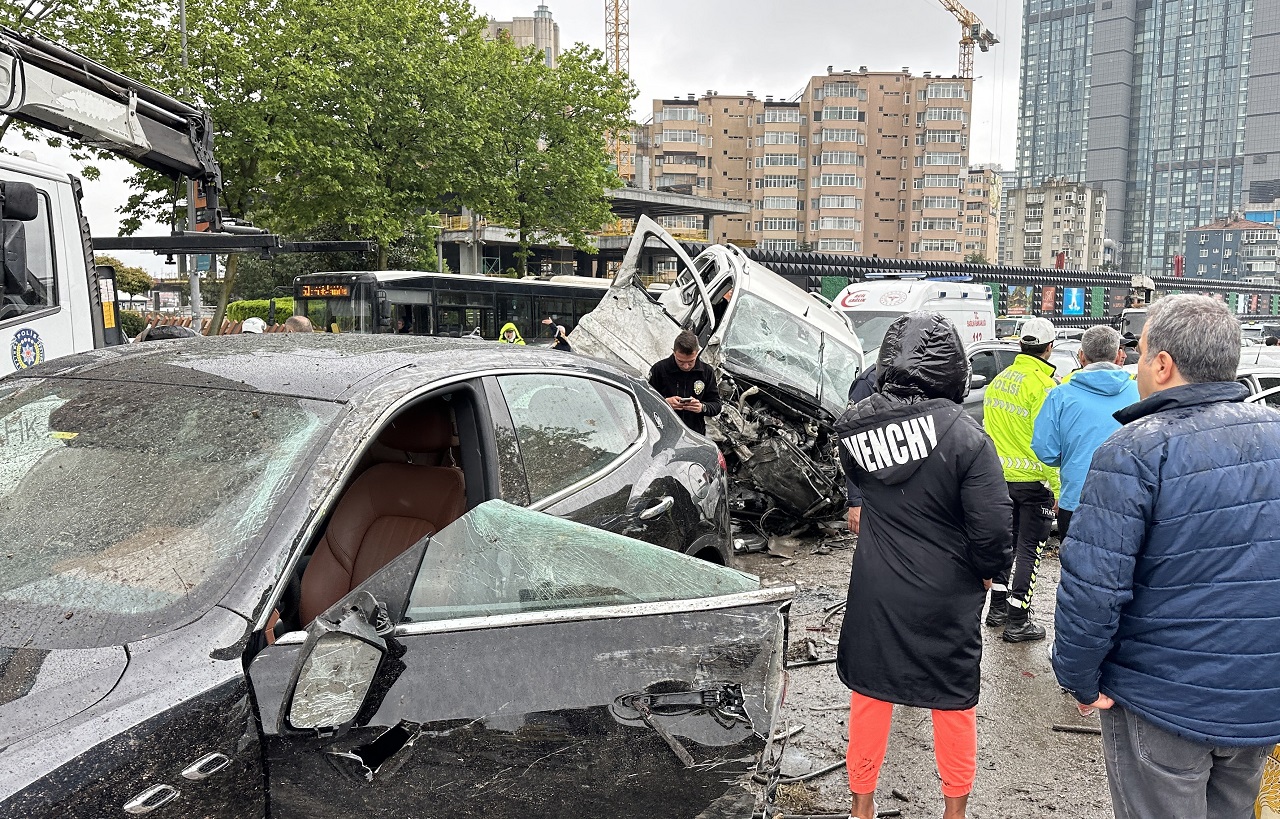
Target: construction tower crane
x=972, y=32
x=617, y=40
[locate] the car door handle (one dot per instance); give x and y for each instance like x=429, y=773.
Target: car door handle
x=664, y=503
x=150, y=799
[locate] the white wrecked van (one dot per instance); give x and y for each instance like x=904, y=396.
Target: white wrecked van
x=784, y=361
x=871, y=306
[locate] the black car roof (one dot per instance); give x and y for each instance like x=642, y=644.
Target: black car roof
x=332, y=367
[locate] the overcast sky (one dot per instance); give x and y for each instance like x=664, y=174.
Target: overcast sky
x=681, y=47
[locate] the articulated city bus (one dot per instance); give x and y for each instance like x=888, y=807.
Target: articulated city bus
x=443, y=304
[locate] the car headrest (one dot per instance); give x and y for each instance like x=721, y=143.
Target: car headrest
x=427, y=427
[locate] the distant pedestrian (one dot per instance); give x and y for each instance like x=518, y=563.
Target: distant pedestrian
x=510, y=334
x=935, y=530
x=687, y=384
x=298, y=324
x=560, y=337
x=253, y=324
x=1166, y=613
x=1009, y=409
x=1078, y=415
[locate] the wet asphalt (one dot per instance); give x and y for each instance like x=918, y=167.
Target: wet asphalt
x=1026, y=769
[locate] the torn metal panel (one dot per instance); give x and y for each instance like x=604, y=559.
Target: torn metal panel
x=566, y=737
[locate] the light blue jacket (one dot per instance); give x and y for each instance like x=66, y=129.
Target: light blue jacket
x=1074, y=421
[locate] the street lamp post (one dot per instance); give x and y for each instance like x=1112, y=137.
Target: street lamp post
x=189, y=264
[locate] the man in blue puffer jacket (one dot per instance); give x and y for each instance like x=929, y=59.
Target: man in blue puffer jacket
x=1077, y=415
x=1167, y=609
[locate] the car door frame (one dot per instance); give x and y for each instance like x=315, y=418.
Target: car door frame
x=639, y=498
x=275, y=669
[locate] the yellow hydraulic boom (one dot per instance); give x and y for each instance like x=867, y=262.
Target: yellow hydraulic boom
x=972, y=33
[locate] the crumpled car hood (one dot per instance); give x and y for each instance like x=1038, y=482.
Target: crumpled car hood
x=40, y=688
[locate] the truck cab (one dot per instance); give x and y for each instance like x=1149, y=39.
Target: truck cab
x=52, y=301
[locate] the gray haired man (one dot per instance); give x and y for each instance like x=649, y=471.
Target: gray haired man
x=1078, y=415
x=1166, y=613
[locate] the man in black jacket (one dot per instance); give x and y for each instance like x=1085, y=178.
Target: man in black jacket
x=688, y=384
x=934, y=531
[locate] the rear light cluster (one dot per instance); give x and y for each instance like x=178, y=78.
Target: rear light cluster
x=724, y=465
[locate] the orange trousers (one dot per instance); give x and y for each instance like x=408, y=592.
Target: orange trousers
x=955, y=745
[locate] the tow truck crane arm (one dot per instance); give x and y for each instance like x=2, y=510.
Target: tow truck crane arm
x=51, y=87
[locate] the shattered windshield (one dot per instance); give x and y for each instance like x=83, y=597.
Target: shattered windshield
x=127, y=508
x=769, y=341
x=502, y=559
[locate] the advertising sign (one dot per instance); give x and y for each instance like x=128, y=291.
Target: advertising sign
x=1073, y=301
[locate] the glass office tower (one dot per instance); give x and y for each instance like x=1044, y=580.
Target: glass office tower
x=1155, y=96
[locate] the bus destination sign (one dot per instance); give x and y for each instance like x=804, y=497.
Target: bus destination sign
x=325, y=291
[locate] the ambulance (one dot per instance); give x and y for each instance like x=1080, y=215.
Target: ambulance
x=871, y=306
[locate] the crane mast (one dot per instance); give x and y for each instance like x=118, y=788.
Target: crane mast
x=972, y=33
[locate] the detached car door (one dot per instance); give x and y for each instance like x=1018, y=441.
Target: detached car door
x=630, y=325
x=519, y=665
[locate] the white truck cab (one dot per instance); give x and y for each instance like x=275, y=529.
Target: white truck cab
x=871, y=306
x=52, y=299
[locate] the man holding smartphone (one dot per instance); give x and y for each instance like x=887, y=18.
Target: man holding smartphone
x=687, y=384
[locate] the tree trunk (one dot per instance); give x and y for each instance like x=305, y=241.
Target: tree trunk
x=383, y=255
x=522, y=253
x=228, y=282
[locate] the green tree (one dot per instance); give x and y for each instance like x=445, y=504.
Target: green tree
x=976, y=258
x=131, y=280
x=549, y=171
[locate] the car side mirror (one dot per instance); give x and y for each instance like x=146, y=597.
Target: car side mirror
x=384, y=309
x=19, y=201
x=339, y=663
x=977, y=382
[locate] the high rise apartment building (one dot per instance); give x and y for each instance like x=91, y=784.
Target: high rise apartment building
x=539, y=30
x=984, y=187
x=1172, y=107
x=1058, y=224
x=873, y=163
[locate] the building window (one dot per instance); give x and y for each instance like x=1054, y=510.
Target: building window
x=781, y=115
x=946, y=115
x=843, y=245
x=837, y=112
x=778, y=223
x=839, y=180
x=842, y=158
x=839, y=223
x=947, y=91
x=780, y=203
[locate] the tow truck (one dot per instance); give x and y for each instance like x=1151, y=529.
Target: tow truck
x=54, y=300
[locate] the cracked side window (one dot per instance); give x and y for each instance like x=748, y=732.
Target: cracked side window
x=501, y=559
x=568, y=428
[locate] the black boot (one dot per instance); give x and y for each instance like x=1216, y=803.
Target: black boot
x=1020, y=629
x=998, y=612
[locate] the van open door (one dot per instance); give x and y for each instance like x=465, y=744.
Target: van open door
x=634, y=326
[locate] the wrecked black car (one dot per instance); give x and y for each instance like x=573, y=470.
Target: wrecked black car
x=785, y=361
x=289, y=578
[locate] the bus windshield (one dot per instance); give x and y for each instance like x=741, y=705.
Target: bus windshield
x=338, y=314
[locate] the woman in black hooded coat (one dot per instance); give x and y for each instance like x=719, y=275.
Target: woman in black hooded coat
x=934, y=530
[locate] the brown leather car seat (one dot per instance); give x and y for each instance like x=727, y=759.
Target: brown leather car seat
x=387, y=509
